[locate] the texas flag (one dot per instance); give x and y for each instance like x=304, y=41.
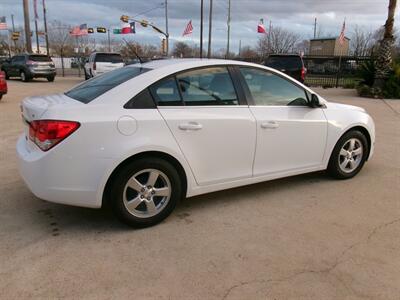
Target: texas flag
x=128, y=28
x=260, y=27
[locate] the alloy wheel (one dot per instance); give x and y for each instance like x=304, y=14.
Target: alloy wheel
x=350, y=155
x=147, y=193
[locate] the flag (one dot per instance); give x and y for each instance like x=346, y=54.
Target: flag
x=260, y=27
x=79, y=30
x=35, y=9
x=188, y=29
x=133, y=27
x=3, y=24
x=341, y=36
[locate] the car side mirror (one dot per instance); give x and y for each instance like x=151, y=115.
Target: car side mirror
x=314, y=102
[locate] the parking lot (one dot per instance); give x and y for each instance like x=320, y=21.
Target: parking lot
x=304, y=237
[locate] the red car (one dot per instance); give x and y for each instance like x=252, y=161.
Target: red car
x=3, y=84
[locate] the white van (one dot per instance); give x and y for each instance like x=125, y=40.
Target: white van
x=102, y=62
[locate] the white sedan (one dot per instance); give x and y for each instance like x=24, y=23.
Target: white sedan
x=142, y=137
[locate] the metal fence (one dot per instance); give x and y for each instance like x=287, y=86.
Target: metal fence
x=328, y=71
x=333, y=71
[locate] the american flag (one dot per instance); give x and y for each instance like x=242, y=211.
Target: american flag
x=3, y=24
x=341, y=36
x=79, y=30
x=188, y=29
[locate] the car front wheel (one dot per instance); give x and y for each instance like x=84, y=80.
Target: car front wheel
x=349, y=155
x=145, y=192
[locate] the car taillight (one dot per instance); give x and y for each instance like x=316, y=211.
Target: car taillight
x=48, y=133
x=303, y=73
x=94, y=66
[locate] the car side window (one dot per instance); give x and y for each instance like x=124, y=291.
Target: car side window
x=207, y=86
x=267, y=88
x=165, y=92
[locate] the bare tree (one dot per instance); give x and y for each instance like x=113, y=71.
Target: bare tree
x=248, y=52
x=362, y=41
x=278, y=40
x=182, y=49
x=60, y=41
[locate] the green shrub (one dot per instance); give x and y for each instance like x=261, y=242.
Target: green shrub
x=391, y=88
x=367, y=72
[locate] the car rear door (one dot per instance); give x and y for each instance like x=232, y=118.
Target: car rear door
x=290, y=134
x=214, y=128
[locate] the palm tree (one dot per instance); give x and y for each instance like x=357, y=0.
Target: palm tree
x=384, y=58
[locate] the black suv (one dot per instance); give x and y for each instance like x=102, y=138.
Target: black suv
x=28, y=66
x=290, y=64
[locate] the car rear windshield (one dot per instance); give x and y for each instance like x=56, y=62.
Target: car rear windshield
x=93, y=88
x=284, y=62
x=108, y=57
x=39, y=58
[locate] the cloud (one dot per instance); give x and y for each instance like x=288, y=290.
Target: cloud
x=296, y=15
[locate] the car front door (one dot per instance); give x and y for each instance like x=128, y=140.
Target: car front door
x=13, y=67
x=215, y=130
x=291, y=136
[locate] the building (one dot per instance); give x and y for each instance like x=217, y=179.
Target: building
x=329, y=47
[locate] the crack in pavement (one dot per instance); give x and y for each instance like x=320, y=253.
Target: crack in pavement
x=326, y=270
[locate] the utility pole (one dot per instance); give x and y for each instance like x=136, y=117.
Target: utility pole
x=209, y=29
x=45, y=28
x=201, y=28
x=13, y=29
x=240, y=48
x=166, y=26
x=109, y=40
x=27, y=27
x=315, y=28
x=229, y=28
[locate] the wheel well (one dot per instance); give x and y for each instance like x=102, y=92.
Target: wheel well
x=172, y=160
x=364, y=131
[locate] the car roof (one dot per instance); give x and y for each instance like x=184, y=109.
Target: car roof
x=189, y=63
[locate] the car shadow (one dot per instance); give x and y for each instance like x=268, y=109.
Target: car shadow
x=65, y=219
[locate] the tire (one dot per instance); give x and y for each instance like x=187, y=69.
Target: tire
x=5, y=73
x=50, y=78
x=23, y=76
x=1, y=96
x=349, y=155
x=145, y=204
x=86, y=76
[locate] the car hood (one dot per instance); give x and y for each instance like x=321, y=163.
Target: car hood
x=341, y=106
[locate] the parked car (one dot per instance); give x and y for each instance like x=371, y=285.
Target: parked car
x=142, y=137
x=3, y=84
x=102, y=62
x=28, y=66
x=291, y=64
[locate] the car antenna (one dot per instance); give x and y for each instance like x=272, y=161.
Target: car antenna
x=133, y=50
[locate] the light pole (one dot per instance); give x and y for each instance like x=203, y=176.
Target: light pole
x=27, y=26
x=166, y=26
x=201, y=28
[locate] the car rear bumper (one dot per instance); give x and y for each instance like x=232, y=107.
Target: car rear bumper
x=41, y=73
x=59, y=178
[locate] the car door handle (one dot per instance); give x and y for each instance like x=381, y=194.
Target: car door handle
x=269, y=125
x=190, y=126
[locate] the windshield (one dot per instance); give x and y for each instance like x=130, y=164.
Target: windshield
x=108, y=57
x=39, y=58
x=284, y=62
x=93, y=88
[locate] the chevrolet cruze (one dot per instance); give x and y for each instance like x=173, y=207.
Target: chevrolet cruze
x=142, y=137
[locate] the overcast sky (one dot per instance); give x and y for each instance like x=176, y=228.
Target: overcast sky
x=296, y=15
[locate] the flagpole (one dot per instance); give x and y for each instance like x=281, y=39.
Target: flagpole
x=45, y=28
x=229, y=28
x=37, y=37
x=201, y=28
x=210, y=29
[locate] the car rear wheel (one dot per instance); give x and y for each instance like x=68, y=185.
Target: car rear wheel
x=349, y=155
x=145, y=192
x=50, y=78
x=23, y=76
x=6, y=75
